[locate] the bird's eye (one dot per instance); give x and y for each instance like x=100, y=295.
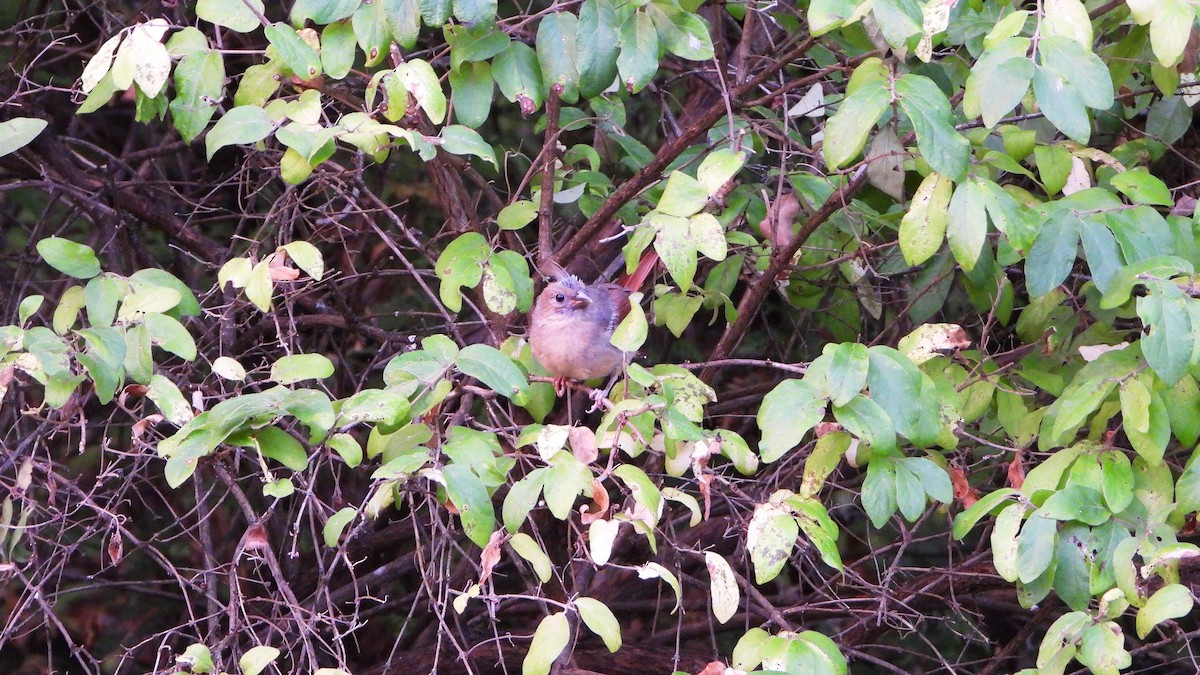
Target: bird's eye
x=560, y=298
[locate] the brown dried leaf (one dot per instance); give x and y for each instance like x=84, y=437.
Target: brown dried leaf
x=115, y=548
x=140, y=426
x=781, y=214
x=963, y=492
x=598, y=509
x=490, y=555
x=1016, y=472
x=823, y=428
x=583, y=444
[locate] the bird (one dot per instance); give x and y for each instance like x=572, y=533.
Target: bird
x=571, y=327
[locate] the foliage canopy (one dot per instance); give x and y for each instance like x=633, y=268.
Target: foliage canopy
x=917, y=317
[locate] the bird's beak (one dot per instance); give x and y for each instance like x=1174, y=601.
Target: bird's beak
x=581, y=300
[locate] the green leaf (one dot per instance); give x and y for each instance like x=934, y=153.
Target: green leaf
x=521, y=498
x=770, y=537
x=338, y=48
x=298, y=367
x=169, y=334
x=840, y=373
x=404, y=20
x=491, y=367
x=65, y=314
x=1116, y=480
x=1035, y=547
x=863, y=417
x=332, y=531
x=924, y=226
x=1171, y=29
x=638, y=60
x=681, y=32
x=1151, y=442
x=683, y=196
x=630, y=334
x=138, y=360
x=472, y=86
x=517, y=215
x=1102, y=649
x=787, y=413
x=1053, y=253
x=940, y=143
x=199, y=83
x=105, y=360
x=254, y=661
x=240, y=126
x=200, y=658
x=528, y=549
x=598, y=46
x=879, y=491
x=1068, y=80
x=101, y=297
x=747, y=653
x=1143, y=187
x=475, y=11
x=999, y=80
x=461, y=264
x=301, y=59
x=719, y=167
x=474, y=43
x=1076, y=502
x=1007, y=215
x=68, y=257
x=708, y=236
x=1078, y=401
x=549, y=640
x=556, y=53
x=934, y=479
x=371, y=30
x=965, y=521
x=234, y=15
x=170, y=401
x=347, y=447
x=471, y=499
x=321, y=11
x=461, y=140
x=674, y=245
x=1168, y=346
x=910, y=496
x=376, y=405
x=435, y=12
x=825, y=15
x=644, y=491
x=421, y=81
x=846, y=132
x=966, y=224
x=30, y=305
x=519, y=76
x=898, y=20
x=675, y=311
x=1054, y=165
x=1169, y=602
x=18, y=132
x=600, y=620
x=280, y=446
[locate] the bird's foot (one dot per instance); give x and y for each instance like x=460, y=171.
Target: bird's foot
x=560, y=385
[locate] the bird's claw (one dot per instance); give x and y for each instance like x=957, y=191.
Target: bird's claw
x=598, y=399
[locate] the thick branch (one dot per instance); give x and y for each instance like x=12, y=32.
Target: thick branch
x=753, y=298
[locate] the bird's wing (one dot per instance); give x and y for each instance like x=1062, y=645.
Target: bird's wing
x=619, y=299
